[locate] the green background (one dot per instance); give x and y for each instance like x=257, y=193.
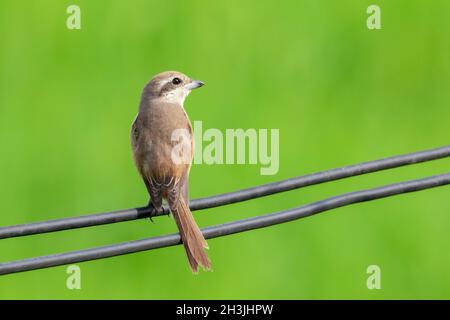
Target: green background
x=339, y=93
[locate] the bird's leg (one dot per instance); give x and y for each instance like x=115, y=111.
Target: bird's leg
x=153, y=210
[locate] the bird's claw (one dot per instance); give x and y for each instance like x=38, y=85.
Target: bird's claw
x=153, y=211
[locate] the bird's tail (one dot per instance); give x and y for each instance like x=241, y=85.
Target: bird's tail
x=193, y=240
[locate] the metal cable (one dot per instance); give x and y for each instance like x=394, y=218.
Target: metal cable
x=226, y=228
x=228, y=198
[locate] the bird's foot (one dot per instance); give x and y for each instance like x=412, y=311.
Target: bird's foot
x=154, y=211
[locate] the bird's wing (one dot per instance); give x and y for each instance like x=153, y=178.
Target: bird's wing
x=134, y=134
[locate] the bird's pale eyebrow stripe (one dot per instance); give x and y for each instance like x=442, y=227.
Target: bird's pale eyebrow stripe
x=163, y=83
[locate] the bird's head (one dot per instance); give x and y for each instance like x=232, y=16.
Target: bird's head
x=171, y=86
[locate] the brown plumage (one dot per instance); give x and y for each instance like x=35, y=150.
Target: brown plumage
x=163, y=148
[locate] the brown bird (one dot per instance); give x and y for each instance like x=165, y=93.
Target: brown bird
x=163, y=144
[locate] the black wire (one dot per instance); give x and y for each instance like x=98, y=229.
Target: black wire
x=228, y=198
x=226, y=228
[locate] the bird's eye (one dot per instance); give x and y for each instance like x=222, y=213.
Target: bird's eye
x=176, y=81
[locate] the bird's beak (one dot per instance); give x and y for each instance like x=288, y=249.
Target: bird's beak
x=195, y=84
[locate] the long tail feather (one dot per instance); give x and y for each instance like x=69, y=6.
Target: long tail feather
x=193, y=240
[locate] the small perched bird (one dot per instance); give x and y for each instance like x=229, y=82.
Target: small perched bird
x=157, y=151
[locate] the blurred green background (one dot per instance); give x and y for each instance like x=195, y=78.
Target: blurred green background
x=339, y=93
